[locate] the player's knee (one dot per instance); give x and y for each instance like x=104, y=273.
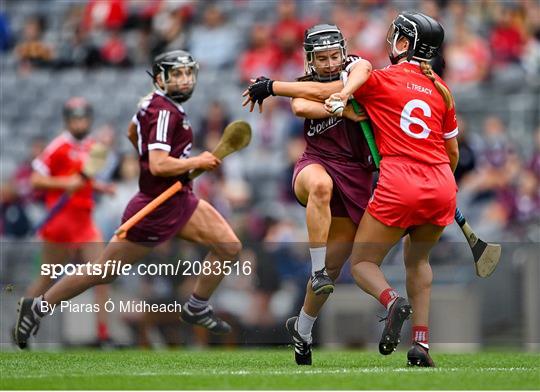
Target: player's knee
x=229, y=249
x=321, y=190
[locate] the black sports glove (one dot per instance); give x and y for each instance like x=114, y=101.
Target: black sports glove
x=261, y=89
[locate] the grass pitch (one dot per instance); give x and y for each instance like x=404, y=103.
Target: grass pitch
x=262, y=369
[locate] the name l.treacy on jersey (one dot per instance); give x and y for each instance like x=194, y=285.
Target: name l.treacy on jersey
x=422, y=89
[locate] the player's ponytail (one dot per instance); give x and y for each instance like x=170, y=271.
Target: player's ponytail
x=441, y=88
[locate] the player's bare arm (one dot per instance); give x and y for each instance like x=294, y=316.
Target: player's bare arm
x=305, y=108
x=312, y=110
x=261, y=88
x=163, y=165
x=451, y=146
x=359, y=74
x=103, y=187
x=132, y=134
x=67, y=183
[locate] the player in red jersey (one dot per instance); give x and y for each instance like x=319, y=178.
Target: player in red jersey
x=163, y=136
x=416, y=195
x=414, y=121
x=332, y=178
x=72, y=230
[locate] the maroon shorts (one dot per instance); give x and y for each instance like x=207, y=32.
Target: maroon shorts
x=352, y=185
x=411, y=193
x=164, y=222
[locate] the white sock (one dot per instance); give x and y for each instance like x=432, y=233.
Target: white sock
x=318, y=257
x=305, y=325
x=38, y=305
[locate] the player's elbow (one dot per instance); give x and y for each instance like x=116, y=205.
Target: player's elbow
x=157, y=169
x=299, y=107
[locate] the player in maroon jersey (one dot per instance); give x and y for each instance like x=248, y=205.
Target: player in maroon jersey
x=333, y=177
x=163, y=137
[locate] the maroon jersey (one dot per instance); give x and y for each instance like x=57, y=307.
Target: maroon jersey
x=337, y=138
x=162, y=124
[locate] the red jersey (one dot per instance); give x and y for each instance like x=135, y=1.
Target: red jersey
x=65, y=156
x=409, y=116
x=162, y=124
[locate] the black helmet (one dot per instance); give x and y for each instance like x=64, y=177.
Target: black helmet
x=322, y=37
x=164, y=62
x=425, y=36
x=77, y=107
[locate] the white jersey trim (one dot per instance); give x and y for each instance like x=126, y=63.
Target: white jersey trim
x=159, y=146
x=39, y=166
x=450, y=135
x=162, y=125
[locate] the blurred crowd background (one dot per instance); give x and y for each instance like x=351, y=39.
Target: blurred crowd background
x=99, y=49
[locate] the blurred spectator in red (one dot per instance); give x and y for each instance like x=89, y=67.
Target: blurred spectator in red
x=114, y=50
x=288, y=22
x=290, y=64
x=105, y=14
x=5, y=33
x=467, y=58
x=215, y=42
x=507, y=37
x=32, y=50
x=261, y=58
x=369, y=37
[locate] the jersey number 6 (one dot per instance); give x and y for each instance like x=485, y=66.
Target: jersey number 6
x=407, y=119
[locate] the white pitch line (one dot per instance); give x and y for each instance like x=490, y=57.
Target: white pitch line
x=285, y=372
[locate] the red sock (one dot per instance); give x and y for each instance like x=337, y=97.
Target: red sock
x=421, y=334
x=102, y=331
x=388, y=296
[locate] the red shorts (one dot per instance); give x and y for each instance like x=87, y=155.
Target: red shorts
x=71, y=225
x=411, y=193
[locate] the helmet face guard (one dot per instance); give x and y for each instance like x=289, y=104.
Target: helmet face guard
x=425, y=36
x=167, y=62
x=324, y=38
